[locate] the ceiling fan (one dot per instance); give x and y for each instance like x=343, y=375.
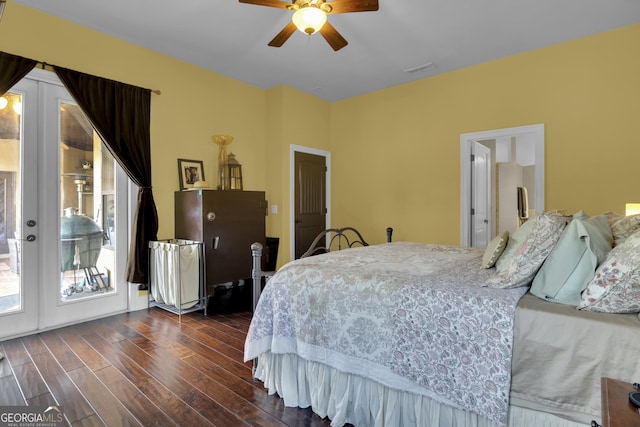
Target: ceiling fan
x=310, y=16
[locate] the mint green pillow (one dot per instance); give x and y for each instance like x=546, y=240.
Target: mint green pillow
x=571, y=265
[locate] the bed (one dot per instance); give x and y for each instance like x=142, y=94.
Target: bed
x=414, y=334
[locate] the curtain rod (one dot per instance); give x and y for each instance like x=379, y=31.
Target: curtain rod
x=43, y=64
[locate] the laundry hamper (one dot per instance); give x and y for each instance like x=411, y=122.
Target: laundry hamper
x=177, y=276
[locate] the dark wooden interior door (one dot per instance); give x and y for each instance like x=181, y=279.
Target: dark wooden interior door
x=310, y=199
x=7, y=209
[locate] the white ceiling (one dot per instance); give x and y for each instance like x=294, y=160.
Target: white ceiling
x=231, y=38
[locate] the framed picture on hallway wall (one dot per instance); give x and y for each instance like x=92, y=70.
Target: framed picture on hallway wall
x=190, y=171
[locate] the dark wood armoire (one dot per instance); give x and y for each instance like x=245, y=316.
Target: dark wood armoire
x=228, y=222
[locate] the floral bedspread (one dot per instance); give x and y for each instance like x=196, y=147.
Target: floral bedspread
x=412, y=316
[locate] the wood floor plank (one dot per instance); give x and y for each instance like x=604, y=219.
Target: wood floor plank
x=171, y=376
x=106, y=406
x=61, y=351
x=213, y=388
x=216, y=349
x=10, y=393
x=252, y=393
x=244, y=386
x=92, y=421
x=146, y=367
x=89, y=356
x=147, y=386
x=26, y=374
x=45, y=399
x=16, y=352
x=34, y=345
x=62, y=388
x=135, y=400
x=236, y=328
x=216, y=341
x=191, y=319
x=5, y=368
x=31, y=382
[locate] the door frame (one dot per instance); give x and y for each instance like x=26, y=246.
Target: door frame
x=533, y=133
x=293, y=148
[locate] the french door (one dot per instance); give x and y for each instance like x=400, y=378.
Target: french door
x=66, y=246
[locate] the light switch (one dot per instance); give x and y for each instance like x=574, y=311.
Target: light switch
x=274, y=209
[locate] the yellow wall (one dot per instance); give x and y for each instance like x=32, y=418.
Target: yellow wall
x=396, y=152
x=293, y=118
x=194, y=104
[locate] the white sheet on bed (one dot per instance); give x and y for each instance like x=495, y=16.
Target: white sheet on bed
x=410, y=316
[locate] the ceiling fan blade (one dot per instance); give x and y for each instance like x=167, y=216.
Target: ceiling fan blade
x=283, y=35
x=348, y=6
x=332, y=36
x=270, y=3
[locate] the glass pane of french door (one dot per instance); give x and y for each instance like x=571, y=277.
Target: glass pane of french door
x=10, y=173
x=87, y=183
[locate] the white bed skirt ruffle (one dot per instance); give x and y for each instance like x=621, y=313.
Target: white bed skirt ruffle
x=348, y=398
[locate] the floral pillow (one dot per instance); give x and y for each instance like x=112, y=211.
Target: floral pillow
x=622, y=226
x=525, y=257
x=616, y=285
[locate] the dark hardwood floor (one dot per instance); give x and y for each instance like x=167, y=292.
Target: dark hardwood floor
x=145, y=368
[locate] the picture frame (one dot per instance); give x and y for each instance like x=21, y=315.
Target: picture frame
x=189, y=172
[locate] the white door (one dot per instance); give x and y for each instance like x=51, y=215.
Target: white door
x=480, y=195
x=67, y=262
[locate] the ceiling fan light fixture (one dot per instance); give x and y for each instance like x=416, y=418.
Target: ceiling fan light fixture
x=309, y=19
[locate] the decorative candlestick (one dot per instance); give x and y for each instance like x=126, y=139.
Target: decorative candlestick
x=222, y=141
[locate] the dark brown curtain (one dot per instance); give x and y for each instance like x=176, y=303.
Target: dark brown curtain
x=121, y=115
x=12, y=69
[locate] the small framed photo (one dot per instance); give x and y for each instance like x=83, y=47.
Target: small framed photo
x=189, y=172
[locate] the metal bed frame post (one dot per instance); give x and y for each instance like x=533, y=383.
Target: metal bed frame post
x=256, y=277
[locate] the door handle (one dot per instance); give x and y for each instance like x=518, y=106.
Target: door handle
x=31, y=223
x=31, y=237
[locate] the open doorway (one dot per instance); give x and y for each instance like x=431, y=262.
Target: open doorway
x=518, y=155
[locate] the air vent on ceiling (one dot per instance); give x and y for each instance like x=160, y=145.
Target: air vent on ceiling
x=421, y=68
